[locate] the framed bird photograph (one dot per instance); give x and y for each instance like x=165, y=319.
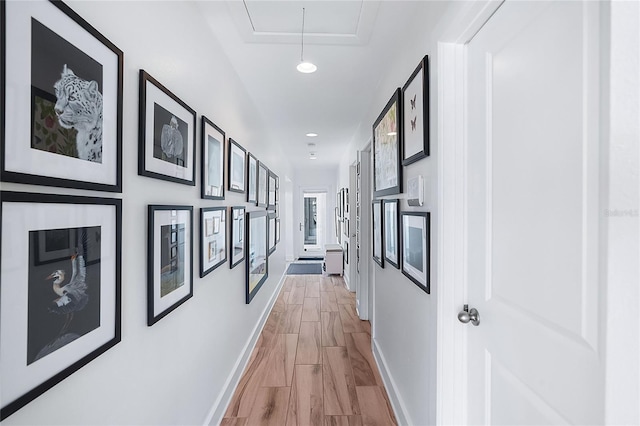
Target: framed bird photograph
x=62, y=83
x=167, y=139
x=212, y=167
x=237, y=236
x=237, y=158
x=60, y=298
x=169, y=259
x=213, y=247
x=415, y=114
x=387, y=164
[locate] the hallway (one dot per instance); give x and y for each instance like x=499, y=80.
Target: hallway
x=312, y=364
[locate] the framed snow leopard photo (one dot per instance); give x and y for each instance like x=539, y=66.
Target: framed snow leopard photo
x=62, y=83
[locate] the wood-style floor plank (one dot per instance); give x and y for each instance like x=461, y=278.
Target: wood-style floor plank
x=350, y=321
x=375, y=406
x=270, y=407
x=313, y=287
x=305, y=404
x=281, y=303
x=343, y=295
x=311, y=309
x=234, y=421
x=326, y=284
x=290, y=323
x=339, y=387
x=332, y=334
x=328, y=301
x=280, y=362
x=288, y=283
x=249, y=385
x=343, y=420
x=309, y=343
x=270, y=330
x=364, y=368
x=296, y=295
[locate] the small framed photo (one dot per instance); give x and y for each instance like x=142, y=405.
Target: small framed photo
x=252, y=179
x=376, y=226
x=263, y=175
x=416, y=237
x=61, y=120
x=391, y=229
x=169, y=277
x=237, y=235
x=415, y=114
x=257, y=252
x=271, y=204
x=237, y=158
x=213, y=247
x=212, y=161
x=387, y=164
x=60, y=301
x=273, y=240
x=167, y=140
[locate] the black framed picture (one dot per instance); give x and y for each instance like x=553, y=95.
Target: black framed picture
x=416, y=236
x=377, y=228
x=237, y=158
x=167, y=139
x=62, y=256
x=262, y=185
x=277, y=230
x=213, y=245
x=387, y=165
x=272, y=235
x=345, y=251
x=237, y=235
x=272, y=199
x=64, y=124
x=252, y=179
x=257, y=252
x=170, y=259
x=391, y=229
x=415, y=114
x=212, y=161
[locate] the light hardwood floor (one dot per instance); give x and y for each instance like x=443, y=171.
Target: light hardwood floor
x=312, y=364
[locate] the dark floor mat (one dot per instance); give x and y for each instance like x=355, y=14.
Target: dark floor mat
x=305, y=269
x=310, y=258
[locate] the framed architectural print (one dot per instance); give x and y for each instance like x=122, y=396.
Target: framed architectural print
x=237, y=158
x=387, y=165
x=252, y=179
x=263, y=175
x=415, y=114
x=213, y=245
x=170, y=260
x=272, y=233
x=212, y=161
x=416, y=237
x=257, y=252
x=391, y=227
x=376, y=226
x=167, y=140
x=61, y=119
x=272, y=199
x=60, y=298
x=237, y=235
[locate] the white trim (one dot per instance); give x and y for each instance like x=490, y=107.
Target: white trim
x=220, y=405
x=397, y=405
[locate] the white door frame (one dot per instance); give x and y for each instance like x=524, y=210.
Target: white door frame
x=299, y=240
x=451, y=352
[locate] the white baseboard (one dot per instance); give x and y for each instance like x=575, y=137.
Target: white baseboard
x=396, y=401
x=214, y=418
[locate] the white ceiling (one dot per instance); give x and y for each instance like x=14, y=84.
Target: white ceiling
x=349, y=41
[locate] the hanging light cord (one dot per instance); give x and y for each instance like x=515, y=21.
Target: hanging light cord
x=302, y=38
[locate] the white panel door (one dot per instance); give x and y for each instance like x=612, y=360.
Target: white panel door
x=532, y=216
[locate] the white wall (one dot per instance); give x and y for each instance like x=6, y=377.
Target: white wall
x=404, y=316
x=174, y=372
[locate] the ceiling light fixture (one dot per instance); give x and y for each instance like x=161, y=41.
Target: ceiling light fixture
x=304, y=67
x=312, y=135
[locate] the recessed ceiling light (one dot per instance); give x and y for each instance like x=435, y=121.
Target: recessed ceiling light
x=391, y=134
x=312, y=135
x=313, y=157
x=306, y=67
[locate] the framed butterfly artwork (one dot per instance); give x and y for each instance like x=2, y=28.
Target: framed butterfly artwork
x=415, y=114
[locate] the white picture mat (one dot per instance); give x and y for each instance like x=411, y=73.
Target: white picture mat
x=234, y=153
x=220, y=238
x=263, y=174
x=415, y=222
x=391, y=225
x=414, y=139
x=19, y=156
x=17, y=220
x=152, y=164
x=162, y=218
x=251, y=187
x=377, y=232
x=272, y=232
x=210, y=130
x=238, y=235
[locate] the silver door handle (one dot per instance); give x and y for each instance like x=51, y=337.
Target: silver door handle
x=466, y=315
